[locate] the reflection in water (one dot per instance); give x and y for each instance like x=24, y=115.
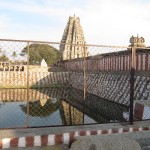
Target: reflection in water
x=71, y=116
x=41, y=108
x=11, y=115
x=101, y=110
x=34, y=94
x=50, y=107
x=43, y=102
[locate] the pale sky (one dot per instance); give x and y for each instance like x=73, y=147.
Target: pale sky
x=104, y=22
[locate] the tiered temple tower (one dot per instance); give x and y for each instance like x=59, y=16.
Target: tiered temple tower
x=137, y=41
x=74, y=37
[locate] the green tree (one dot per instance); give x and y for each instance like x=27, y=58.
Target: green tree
x=37, y=52
x=14, y=54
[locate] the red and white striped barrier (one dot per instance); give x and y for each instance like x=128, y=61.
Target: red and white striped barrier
x=55, y=139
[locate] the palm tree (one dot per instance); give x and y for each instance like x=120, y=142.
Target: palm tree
x=14, y=54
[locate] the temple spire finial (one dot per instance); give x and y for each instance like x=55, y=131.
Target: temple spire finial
x=137, y=41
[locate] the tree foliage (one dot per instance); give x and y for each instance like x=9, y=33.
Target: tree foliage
x=4, y=58
x=37, y=52
x=14, y=54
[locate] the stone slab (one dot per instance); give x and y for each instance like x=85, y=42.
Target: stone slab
x=111, y=142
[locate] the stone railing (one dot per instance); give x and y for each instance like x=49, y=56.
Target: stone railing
x=115, y=61
x=12, y=67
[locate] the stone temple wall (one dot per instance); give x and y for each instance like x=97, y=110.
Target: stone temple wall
x=107, y=76
x=36, y=79
x=116, y=61
x=108, y=85
x=113, y=87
